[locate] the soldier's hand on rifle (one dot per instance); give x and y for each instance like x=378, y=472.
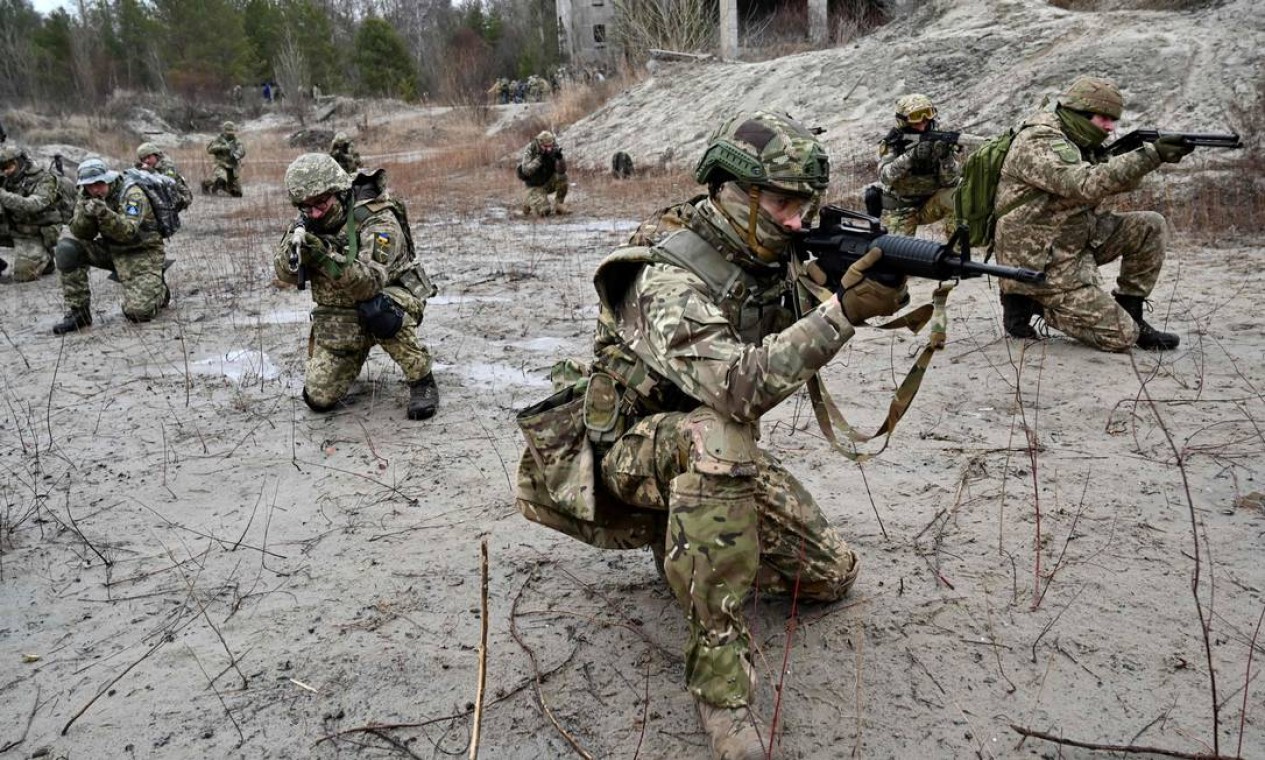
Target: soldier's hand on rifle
x=863, y=297
x=1172, y=148
x=96, y=208
x=924, y=149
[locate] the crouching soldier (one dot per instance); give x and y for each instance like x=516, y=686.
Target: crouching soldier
x=29, y=213
x=113, y=228
x=352, y=242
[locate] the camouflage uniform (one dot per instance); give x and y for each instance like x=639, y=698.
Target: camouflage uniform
x=384, y=264
x=654, y=443
x=228, y=153
x=167, y=168
x=29, y=209
x=545, y=174
x=917, y=180
x=344, y=153
x=1060, y=230
x=124, y=239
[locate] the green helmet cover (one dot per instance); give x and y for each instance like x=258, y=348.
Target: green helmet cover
x=767, y=150
x=147, y=149
x=1094, y=95
x=315, y=174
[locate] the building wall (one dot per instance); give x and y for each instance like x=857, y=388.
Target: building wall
x=586, y=29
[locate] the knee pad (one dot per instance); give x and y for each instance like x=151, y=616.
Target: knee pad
x=68, y=255
x=320, y=408
x=720, y=446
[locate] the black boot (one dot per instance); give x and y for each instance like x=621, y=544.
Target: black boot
x=1016, y=315
x=1149, y=339
x=75, y=320
x=423, y=398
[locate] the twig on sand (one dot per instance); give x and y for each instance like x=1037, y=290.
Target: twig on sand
x=1121, y=748
x=483, y=650
x=35, y=705
x=161, y=640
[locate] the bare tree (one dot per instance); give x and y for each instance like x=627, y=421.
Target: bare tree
x=681, y=25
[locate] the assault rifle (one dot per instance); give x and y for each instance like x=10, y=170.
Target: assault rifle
x=905, y=139
x=1137, y=137
x=844, y=236
x=297, y=267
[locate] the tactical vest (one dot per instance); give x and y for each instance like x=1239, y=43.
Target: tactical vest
x=923, y=179
x=548, y=168
x=25, y=184
x=753, y=306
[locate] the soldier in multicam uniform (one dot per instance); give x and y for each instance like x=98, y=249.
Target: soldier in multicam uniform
x=113, y=228
x=1052, y=182
x=151, y=158
x=29, y=213
x=228, y=153
x=342, y=151
x=917, y=178
x=655, y=442
x=369, y=289
x=544, y=170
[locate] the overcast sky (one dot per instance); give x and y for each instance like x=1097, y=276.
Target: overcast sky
x=44, y=6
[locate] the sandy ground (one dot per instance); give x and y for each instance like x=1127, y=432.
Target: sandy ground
x=196, y=566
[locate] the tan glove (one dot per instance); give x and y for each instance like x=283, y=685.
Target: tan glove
x=95, y=207
x=863, y=297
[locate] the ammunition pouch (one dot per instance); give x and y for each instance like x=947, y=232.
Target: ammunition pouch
x=337, y=329
x=381, y=316
x=560, y=450
x=604, y=407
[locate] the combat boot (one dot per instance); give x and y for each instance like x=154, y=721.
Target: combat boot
x=206, y=186
x=1149, y=339
x=561, y=209
x=1016, y=315
x=731, y=732
x=423, y=398
x=75, y=320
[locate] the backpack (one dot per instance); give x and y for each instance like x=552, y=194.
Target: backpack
x=976, y=196
x=67, y=191
x=164, y=196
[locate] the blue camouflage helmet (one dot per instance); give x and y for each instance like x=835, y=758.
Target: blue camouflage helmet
x=94, y=170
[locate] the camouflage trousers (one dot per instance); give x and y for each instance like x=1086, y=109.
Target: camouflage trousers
x=727, y=533
x=538, y=197
x=906, y=220
x=1074, y=300
x=226, y=179
x=338, y=348
x=33, y=256
x=140, y=273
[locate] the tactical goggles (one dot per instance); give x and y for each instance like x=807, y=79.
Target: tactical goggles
x=921, y=114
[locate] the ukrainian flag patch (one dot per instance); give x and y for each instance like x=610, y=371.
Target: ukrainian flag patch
x=381, y=240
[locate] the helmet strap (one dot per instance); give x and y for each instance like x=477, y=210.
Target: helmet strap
x=762, y=252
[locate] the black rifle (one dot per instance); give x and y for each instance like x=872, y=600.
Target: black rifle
x=1137, y=137
x=904, y=139
x=844, y=236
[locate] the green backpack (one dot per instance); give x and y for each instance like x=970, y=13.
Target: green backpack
x=976, y=195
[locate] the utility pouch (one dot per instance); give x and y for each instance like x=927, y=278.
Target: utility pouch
x=561, y=454
x=336, y=329
x=873, y=197
x=601, y=409
x=381, y=316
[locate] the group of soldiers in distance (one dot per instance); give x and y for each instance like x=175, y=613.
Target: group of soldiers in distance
x=653, y=440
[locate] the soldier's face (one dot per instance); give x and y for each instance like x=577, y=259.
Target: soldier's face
x=97, y=189
x=787, y=210
x=1105, y=123
x=150, y=160
x=10, y=168
x=315, y=208
x=920, y=126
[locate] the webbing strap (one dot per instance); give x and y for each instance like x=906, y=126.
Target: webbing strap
x=830, y=419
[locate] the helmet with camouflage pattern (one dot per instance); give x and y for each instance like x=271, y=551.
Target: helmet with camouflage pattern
x=1094, y=95
x=546, y=138
x=913, y=108
x=228, y=128
x=768, y=150
x=315, y=174
x=147, y=149
x=340, y=138
x=94, y=170
x=11, y=152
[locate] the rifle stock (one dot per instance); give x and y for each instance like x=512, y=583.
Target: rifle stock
x=844, y=236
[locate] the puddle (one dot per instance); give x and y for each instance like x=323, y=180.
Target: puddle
x=485, y=375
x=237, y=364
x=590, y=226
x=287, y=316
x=443, y=300
x=542, y=344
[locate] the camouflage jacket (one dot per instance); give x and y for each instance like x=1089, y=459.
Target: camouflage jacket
x=1054, y=189
x=909, y=180
x=128, y=227
x=30, y=200
x=167, y=168
x=681, y=326
x=347, y=157
x=384, y=258
x=537, y=167
x=227, y=151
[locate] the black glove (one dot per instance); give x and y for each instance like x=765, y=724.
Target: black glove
x=1173, y=149
x=924, y=150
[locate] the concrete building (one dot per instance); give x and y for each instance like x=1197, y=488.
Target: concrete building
x=586, y=30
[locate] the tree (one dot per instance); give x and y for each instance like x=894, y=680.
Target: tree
x=383, y=61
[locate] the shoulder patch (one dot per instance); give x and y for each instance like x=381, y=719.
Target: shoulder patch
x=131, y=209
x=1068, y=152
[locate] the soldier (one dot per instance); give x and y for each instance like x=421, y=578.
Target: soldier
x=1051, y=184
x=916, y=177
x=113, y=228
x=228, y=153
x=544, y=170
x=344, y=153
x=151, y=158
x=29, y=213
x=655, y=442
x=354, y=242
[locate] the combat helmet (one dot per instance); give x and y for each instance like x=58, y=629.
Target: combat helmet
x=767, y=150
x=228, y=128
x=340, y=138
x=94, y=170
x=546, y=138
x=146, y=149
x=315, y=174
x=11, y=152
x=1094, y=95
x=914, y=107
